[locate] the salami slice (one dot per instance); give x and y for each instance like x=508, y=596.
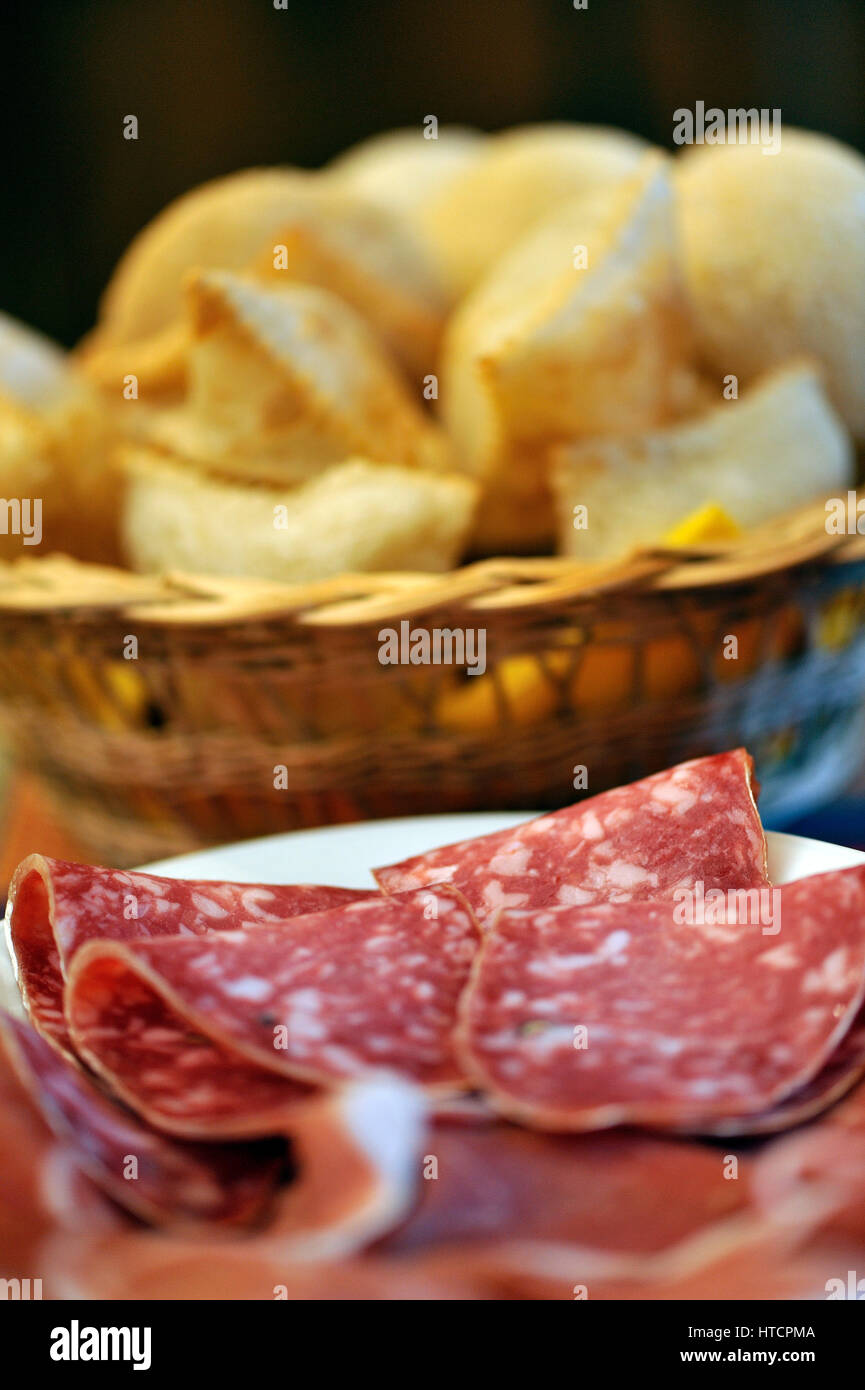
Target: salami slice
x=851, y=1110
x=582, y=1018
x=210, y=1035
x=695, y=823
x=31, y=1206
x=163, y=1061
x=154, y=1178
x=54, y=907
x=838, y=1076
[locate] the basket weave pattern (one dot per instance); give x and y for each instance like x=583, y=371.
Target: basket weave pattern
x=253, y=707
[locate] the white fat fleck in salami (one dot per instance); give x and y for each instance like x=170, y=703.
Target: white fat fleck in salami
x=212, y=1034
x=149, y=1175
x=54, y=907
x=583, y=1018
x=694, y=823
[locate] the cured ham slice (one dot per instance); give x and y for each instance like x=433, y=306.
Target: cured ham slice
x=357, y=1155
x=622, y=1192
x=816, y=1177
x=696, y=823
x=741, y=1259
x=141, y=1266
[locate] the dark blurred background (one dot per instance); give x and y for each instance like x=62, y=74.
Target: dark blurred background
x=220, y=84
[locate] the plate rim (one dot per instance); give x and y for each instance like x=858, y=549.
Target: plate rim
x=468, y=824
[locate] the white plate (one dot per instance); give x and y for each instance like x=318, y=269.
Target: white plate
x=344, y=855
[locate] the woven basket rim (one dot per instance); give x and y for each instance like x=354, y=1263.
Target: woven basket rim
x=58, y=584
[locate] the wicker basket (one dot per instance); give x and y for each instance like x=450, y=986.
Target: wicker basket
x=253, y=707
